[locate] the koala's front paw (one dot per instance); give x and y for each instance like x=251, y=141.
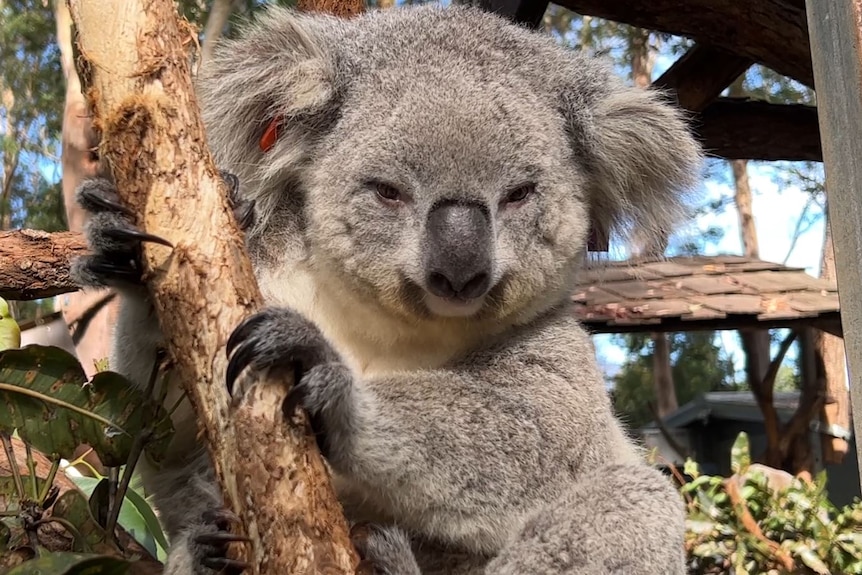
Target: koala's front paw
x=281, y=340
x=208, y=544
x=114, y=239
x=383, y=550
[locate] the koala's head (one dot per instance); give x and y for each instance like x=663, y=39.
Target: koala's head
x=443, y=162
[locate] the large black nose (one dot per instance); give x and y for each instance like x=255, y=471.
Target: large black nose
x=458, y=250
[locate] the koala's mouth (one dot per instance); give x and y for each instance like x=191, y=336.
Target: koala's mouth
x=453, y=306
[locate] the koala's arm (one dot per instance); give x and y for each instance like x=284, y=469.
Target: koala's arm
x=484, y=454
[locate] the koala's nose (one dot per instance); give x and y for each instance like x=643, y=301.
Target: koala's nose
x=458, y=250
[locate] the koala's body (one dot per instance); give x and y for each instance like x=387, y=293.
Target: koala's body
x=420, y=218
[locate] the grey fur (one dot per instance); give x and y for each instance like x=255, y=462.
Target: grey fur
x=483, y=430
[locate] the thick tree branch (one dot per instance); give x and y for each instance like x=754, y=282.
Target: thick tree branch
x=136, y=68
x=35, y=264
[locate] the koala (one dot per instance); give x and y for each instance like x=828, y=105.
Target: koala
x=416, y=188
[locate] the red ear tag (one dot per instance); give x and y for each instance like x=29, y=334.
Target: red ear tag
x=270, y=136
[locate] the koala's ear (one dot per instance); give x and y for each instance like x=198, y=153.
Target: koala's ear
x=282, y=74
x=641, y=160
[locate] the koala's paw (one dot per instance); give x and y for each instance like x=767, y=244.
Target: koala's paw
x=383, y=550
x=114, y=239
x=281, y=340
x=208, y=544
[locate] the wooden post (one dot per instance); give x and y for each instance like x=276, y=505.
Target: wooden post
x=835, y=30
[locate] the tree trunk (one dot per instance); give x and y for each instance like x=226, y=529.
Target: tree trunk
x=269, y=469
x=665, y=393
x=836, y=408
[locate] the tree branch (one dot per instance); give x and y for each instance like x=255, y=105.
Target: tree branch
x=35, y=264
x=136, y=69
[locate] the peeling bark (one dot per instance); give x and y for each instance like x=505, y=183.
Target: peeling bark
x=135, y=67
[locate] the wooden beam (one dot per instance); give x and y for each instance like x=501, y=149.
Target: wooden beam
x=828, y=322
x=742, y=129
x=521, y=11
x=701, y=75
x=771, y=32
x=836, y=49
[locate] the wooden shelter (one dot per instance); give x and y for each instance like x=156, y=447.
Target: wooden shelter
x=691, y=293
x=818, y=43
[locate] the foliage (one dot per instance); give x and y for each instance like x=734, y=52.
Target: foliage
x=45, y=384
x=699, y=365
x=744, y=525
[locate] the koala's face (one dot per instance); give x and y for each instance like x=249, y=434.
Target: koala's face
x=443, y=162
x=448, y=195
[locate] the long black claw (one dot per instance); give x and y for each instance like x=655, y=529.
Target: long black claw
x=238, y=362
x=100, y=201
x=224, y=564
x=247, y=217
x=243, y=330
x=220, y=538
x=131, y=234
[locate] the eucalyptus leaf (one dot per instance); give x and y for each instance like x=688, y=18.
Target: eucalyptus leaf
x=45, y=396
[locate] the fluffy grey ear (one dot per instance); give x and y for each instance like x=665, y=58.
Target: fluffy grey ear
x=283, y=69
x=642, y=161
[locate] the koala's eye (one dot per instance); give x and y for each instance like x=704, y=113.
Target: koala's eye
x=388, y=192
x=519, y=194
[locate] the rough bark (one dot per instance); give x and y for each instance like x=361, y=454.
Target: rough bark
x=836, y=408
x=772, y=32
x=137, y=75
x=35, y=264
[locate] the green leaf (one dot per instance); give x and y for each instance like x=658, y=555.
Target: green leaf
x=72, y=564
x=44, y=394
x=136, y=517
x=740, y=454
x=158, y=545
